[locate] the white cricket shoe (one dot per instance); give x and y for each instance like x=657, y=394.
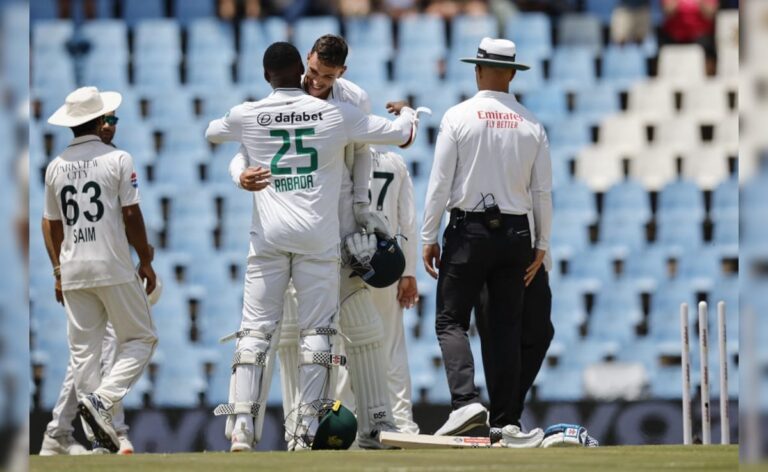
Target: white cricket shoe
x=61, y=445
x=242, y=441
x=513, y=437
x=100, y=420
x=126, y=446
x=372, y=439
x=465, y=418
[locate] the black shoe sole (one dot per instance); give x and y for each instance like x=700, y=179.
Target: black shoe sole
x=478, y=420
x=101, y=435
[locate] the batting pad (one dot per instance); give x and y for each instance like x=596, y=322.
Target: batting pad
x=288, y=353
x=363, y=330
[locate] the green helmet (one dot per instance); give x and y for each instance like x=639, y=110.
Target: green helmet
x=337, y=428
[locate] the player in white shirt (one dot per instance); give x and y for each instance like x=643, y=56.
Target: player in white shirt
x=295, y=232
x=91, y=216
x=58, y=433
x=392, y=197
x=360, y=322
x=491, y=169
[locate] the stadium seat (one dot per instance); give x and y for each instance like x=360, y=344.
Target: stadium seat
x=532, y=34
x=207, y=73
x=109, y=40
x=726, y=289
x=307, y=30
x=180, y=379
x=623, y=65
x=561, y=384
x=664, y=317
x=155, y=75
x=575, y=198
x=727, y=134
x=193, y=206
x=700, y=267
x=602, y=9
x=53, y=73
x=366, y=67
x=665, y=384
x=582, y=30
x=105, y=74
x=621, y=232
x=371, y=33
x=651, y=101
x=707, y=166
x=725, y=199
x=137, y=140
x=678, y=232
x=646, y=268
x=209, y=39
x=256, y=36
x=187, y=12
x=50, y=37
x=568, y=311
x=468, y=30
x=654, y=167
x=570, y=236
x=595, y=103
x=134, y=11
x=547, y=103
x=599, y=167
x=681, y=65
x=417, y=71
x=622, y=134
x=43, y=10
x=629, y=198
x=705, y=102
x=528, y=80
x=169, y=106
x=424, y=33
x=592, y=268
x=572, y=67
x=567, y=136
x=676, y=134
x=157, y=41
x=616, y=313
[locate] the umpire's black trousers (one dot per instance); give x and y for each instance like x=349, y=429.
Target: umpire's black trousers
x=474, y=256
x=537, y=334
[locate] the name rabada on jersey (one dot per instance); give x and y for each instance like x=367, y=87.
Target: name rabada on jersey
x=267, y=118
x=297, y=182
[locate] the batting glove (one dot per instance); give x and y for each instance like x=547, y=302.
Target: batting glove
x=372, y=222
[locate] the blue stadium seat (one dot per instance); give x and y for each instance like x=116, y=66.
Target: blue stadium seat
x=646, y=268
x=105, y=74
x=532, y=34
x=592, y=268
x=582, y=30
x=664, y=317
x=681, y=198
x=157, y=41
x=573, y=67
x=622, y=232
x=135, y=137
x=616, y=313
x=424, y=33
x=176, y=170
x=602, y=9
x=725, y=199
x=623, y=65
x=576, y=199
x=582, y=353
x=468, y=30
x=195, y=237
x=547, y=103
x=307, y=30
x=726, y=289
x=210, y=72
x=367, y=67
x=236, y=234
x=417, y=71
x=726, y=234
x=50, y=37
x=43, y=10
x=568, y=135
x=568, y=311
x=642, y=350
x=215, y=103
x=629, y=198
x=570, y=235
x=134, y=11
x=109, y=40
x=665, y=384
x=448, y=97
x=700, y=266
x=53, y=73
x=256, y=36
x=187, y=12
x=168, y=107
x=153, y=75
x=526, y=81
x=595, y=103
x=180, y=378
x=135, y=397
x=193, y=206
x=372, y=34
x=561, y=384
x=209, y=39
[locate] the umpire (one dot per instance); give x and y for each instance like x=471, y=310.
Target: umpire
x=491, y=169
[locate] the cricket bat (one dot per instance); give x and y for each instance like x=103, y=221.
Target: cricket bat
x=428, y=441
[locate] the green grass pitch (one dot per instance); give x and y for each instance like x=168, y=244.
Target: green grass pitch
x=625, y=458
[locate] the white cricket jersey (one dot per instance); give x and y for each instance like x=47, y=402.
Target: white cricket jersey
x=301, y=139
x=392, y=197
x=86, y=187
x=490, y=144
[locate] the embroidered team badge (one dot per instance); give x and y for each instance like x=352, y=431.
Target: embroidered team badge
x=134, y=180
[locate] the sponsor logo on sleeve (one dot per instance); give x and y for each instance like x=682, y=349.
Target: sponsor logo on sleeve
x=134, y=180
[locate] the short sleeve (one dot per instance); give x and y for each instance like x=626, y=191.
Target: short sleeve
x=129, y=182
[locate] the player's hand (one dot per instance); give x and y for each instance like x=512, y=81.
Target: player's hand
x=254, y=179
x=431, y=257
x=532, y=269
x=147, y=274
x=57, y=290
x=407, y=292
x=370, y=221
x=395, y=107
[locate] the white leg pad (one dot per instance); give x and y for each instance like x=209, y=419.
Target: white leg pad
x=288, y=353
x=363, y=331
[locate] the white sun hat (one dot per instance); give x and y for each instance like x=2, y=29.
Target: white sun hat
x=83, y=105
x=496, y=53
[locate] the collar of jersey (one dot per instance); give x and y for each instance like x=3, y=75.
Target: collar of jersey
x=85, y=139
x=291, y=92
x=494, y=94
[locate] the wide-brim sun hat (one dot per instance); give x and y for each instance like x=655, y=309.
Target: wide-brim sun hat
x=83, y=105
x=496, y=53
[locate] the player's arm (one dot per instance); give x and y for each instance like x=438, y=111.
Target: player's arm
x=407, y=289
x=438, y=193
x=541, y=201
x=227, y=128
x=252, y=179
x=361, y=173
x=53, y=233
x=135, y=231
x=372, y=129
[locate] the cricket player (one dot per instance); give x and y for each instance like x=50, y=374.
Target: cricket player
x=361, y=326
x=392, y=198
x=91, y=216
x=295, y=233
x=58, y=437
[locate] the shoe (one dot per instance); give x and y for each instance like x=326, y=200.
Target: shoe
x=100, y=421
x=61, y=445
x=513, y=437
x=98, y=449
x=126, y=446
x=464, y=419
x=371, y=439
x=242, y=441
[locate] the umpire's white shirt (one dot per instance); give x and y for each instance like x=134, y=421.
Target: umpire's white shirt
x=490, y=143
x=301, y=139
x=86, y=186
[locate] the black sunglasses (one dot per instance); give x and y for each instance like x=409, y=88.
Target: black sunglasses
x=111, y=120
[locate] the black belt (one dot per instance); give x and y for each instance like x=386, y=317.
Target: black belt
x=461, y=215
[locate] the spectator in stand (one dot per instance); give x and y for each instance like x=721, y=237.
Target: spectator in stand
x=398, y=8
x=631, y=21
x=233, y=9
x=691, y=21
x=450, y=8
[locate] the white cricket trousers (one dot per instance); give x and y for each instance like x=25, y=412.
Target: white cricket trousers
x=399, y=375
x=65, y=410
x=88, y=310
